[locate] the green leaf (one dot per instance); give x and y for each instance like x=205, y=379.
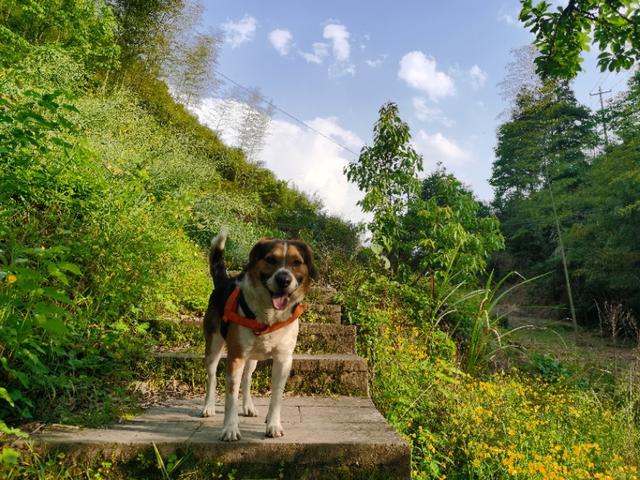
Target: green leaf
x=49, y=310
x=70, y=267
x=8, y=455
x=55, y=326
x=4, y=394
x=58, y=295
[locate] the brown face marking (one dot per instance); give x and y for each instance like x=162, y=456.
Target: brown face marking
x=307, y=255
x=296, y=264
x=262, y=259
x=270, y=261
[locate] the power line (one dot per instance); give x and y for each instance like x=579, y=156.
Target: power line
x=622, y=77
x=598, y=82
x=284, y=112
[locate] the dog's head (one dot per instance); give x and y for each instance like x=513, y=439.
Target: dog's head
x=283, y=268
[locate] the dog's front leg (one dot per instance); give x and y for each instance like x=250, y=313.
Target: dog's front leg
x=231, y=429
x=248, y=408
x=280, y=374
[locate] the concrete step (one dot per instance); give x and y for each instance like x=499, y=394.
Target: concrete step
x=326, y=338
x=312, y=337
x=315, y=313
x=325, y=438
x=321, y=294
x=323, y=313
x=341, y=374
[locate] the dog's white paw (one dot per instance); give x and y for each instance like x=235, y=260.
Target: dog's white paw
x=230, y=433
x=275, y=430
x=208, y=411
x=249, y=410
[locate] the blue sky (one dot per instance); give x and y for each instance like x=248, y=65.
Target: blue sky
x=334, y=63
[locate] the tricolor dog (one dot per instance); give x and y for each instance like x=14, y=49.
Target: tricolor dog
x=256, y=313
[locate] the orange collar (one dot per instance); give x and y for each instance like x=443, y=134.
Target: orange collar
x=231, y=315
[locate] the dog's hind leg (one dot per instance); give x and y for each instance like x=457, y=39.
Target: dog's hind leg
x=215, y=344
x=248, y=408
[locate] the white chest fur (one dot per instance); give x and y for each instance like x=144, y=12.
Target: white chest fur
x=275, y=344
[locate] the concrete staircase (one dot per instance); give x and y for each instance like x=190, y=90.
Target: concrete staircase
x=332, y=429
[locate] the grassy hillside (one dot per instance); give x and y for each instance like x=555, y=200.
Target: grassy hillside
x=111, y=192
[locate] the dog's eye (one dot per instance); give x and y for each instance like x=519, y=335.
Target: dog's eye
x=270, y=260
x=297, y=263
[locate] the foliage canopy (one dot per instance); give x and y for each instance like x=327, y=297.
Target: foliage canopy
x=564, y=33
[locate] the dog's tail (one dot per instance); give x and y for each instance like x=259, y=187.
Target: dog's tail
x=216, y=258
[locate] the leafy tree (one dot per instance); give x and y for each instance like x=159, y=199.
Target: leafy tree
x=604, y=237
x=623, y=113
x=145, y=28
x=191, y=73
x=545, y=140
x=540, y=163
x=252, y=128
x=387, y=174
x=85, y=29
x=445, y=228
x=562, y=35
x=521, y=75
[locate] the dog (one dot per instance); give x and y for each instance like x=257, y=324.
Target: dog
x=270, y=289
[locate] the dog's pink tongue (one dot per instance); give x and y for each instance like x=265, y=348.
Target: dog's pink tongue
x=280, y=303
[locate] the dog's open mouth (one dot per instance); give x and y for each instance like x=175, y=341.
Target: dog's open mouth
x=279, y=301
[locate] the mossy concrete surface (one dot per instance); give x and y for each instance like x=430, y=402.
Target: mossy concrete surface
x=325, y=438
x=341, y=374
x=326, y=338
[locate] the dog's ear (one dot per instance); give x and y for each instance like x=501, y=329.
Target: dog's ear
x=258, y=251
x=307, y=255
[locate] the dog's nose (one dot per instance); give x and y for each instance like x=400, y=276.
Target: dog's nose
x=283, y=279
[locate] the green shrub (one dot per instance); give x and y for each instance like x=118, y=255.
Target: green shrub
x=85, y=29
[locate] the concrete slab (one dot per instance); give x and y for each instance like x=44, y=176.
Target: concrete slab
x=323, y=313
x=302, y=362
x=322, y=374
x=322, y=434
x=321, y=294
x=326, y=338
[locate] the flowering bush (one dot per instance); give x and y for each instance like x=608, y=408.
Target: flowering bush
x=503, y=425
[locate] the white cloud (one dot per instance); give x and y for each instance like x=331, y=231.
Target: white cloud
x=437, y=148
x=242, y=31
x=296, y=154
x=425, y=113
x=420, y=72
x=339, y=37
x=478, y=77
x=320, y=52
x=281, y=40
x=508, y=15
x=339, y=69
x=313, y=163
x=376, y=62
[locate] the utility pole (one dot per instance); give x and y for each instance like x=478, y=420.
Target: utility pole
x=565, y=267
x=604, y=122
